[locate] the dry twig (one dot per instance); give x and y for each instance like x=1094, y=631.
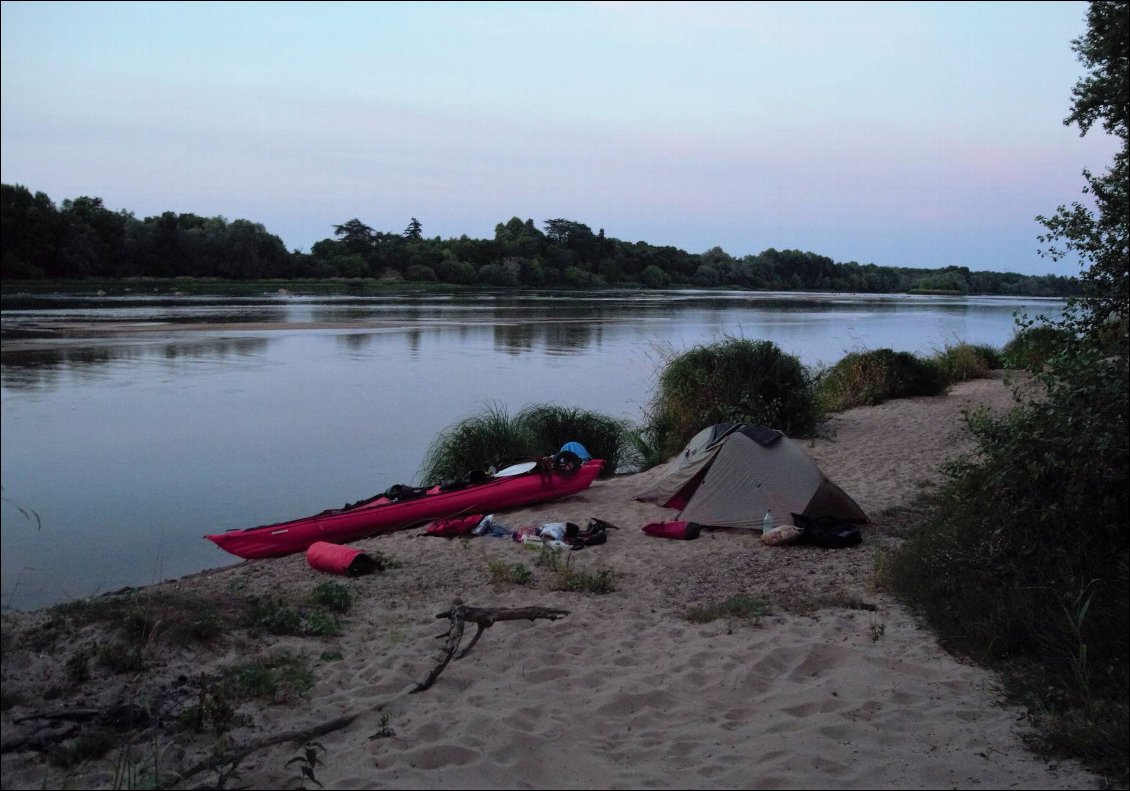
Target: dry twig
x=482, y=617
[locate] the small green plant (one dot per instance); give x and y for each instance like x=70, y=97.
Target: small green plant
x=133, y=770
x=515, y=573
x=273, y=615
x=78, y=666
x=1076, y=613
x=307, y=762
x=744, y=607
x=598, y=582
x=333, y=596
x=280, y=677
x=385, y=730
x=551, y=558
x=321, y=624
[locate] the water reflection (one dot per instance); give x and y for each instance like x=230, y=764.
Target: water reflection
x=41, y=369
x=38, y=344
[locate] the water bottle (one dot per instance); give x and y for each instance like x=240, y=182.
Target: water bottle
x=767, y=522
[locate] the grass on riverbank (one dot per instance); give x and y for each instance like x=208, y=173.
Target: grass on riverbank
x=493, y=438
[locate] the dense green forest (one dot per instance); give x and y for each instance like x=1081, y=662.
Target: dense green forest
x=84, y=239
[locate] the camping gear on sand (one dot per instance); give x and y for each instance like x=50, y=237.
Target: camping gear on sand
x=680, y=530
x=825, y=532
x=730, y=475
x=594, y=534
x=337, y=559
x=455, y=526
x=785, y=534
x=382, y=514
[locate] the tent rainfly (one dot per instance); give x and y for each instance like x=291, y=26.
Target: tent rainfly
x=730, y=475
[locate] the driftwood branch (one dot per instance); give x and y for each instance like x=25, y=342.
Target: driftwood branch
x=49, y=728
x=483, y=617
x=237, y=754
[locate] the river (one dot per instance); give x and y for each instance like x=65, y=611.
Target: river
x=131, y=426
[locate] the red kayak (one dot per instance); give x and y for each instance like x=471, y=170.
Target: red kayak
x=384, y=515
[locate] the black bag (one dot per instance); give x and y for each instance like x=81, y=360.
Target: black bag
x=826, y=532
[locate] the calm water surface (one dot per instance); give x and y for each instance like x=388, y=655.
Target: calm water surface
x=171, y=418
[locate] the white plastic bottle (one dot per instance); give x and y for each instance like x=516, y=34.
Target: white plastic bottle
x=767, y=522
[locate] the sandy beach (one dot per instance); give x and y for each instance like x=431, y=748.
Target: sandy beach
x=836, y=687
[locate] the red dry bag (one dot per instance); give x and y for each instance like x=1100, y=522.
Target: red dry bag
x=455, y=526
x=336, y=559
x=679, y=530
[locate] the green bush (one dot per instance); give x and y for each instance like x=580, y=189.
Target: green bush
x=1032, y=346
x=736, y=381
x=964, y=361
x=494, y=438
x=872, y=377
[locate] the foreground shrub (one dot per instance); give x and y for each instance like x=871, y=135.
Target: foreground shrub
x=1023, y=563
x=1032, y=346
x=735, y=381
x=493, y=438
x=872, y=377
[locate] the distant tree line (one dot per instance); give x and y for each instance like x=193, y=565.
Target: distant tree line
x=84, y=239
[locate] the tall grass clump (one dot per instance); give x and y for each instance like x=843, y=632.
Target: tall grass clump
x=487, y=439
x=549, y=426
x=964, y=361
x=871, y=377
x=494, y=438
x=736, y=381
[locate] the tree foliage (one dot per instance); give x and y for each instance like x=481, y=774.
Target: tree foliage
x=1099, y=235
x=82, y=238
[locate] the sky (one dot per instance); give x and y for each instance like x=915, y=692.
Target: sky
x=900, y=134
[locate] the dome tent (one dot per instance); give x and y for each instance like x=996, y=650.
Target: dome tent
x=730, y=475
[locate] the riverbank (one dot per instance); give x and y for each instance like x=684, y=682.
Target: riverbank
x=836, y=686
